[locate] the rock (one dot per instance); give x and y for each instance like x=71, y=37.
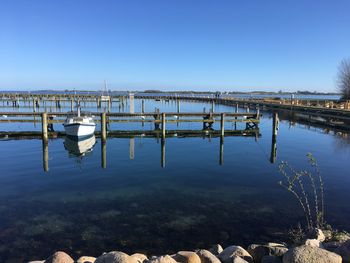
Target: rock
x=139, y=257
x=271, y=259
x=207, y=257
x=313, y=243
x=187, y=257
x=59, y=257
x=85, y=259
x=216, y=249
x=270, y=249
x=309, y=254
x=237, y=259
x=115, y=257
x=316, y=233
x=344, y=251
x=162, y=259
x=228, y=253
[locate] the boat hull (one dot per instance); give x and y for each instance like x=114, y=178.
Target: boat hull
x=79, y=130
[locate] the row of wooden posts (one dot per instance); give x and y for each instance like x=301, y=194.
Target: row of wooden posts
x=103, y=116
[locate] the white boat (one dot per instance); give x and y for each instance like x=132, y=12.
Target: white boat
x=79, y=125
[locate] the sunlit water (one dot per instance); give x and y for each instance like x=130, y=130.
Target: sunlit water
x=134, y=204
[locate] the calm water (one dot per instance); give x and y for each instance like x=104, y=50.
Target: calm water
x=136, y=205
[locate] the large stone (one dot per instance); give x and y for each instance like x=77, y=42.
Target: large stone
x=59, y=257
x=162, y=259
x=344, y=251
x=309, y=254
x=237, y=259
x=139, y=257
x=85, y=259
x=271, y=259
x=316, y=233
x=313, y=243
x=115, y=257
x=187, y=257
x=207, y=257
x=270, y=249
x=231, y=251
x=216, y=249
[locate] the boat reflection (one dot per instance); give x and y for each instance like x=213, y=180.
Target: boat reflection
x=79, y=148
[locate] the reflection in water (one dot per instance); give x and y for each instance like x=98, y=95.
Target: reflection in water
x=45, y=156
x=79, y=148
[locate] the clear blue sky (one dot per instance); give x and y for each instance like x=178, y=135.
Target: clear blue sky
x=173, y=44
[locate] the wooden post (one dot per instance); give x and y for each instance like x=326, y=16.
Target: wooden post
x=222, y=124
x=103, y=127
x=34, y=105
x=275, y=123
x=212, y=106
x=44, y=127
x=103, y=155
x=163, y=125
x=178, y=105
x=71, y=104
x=143, y=106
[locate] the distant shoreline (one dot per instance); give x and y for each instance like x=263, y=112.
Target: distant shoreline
x=179, y=92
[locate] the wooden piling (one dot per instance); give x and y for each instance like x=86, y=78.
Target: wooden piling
x=44, y=127
x=103, y=155
x=163, y=125
x=143, y=106
x=275, y=124
x=103, y=127
x=222, y=124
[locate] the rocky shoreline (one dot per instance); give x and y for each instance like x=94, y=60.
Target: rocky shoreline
x=318, y=246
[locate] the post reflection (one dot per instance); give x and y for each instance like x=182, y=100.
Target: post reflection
x=162, y=160
x=45, y=145
x=221, y=155
x=77, y=147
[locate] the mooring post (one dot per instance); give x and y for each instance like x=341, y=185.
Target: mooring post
x=33, y=105
x=163, y=125
x=103, y=155
x=275, y=123
x=222, y=124
x=143, y=106
x=178, y=105
x=44, y=126
x=103, y=127
x=71, y=104
x=212, y=106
